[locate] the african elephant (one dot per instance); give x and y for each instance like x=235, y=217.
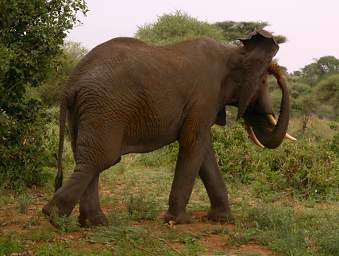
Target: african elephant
x=129, y=97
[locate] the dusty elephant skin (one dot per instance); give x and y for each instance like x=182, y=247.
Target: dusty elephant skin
x=129, y=97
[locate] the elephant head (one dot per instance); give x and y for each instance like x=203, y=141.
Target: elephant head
x=253, y=99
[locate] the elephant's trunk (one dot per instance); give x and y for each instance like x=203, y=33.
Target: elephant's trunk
x=273, y=133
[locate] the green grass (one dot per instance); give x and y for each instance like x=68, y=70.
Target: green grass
x=288, y=232
x=65, y=248
x=141, y=208
x=10, y=243
x=272, y=206
x=287, y=227
x=24, y=201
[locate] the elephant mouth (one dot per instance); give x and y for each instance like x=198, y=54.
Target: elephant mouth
x=263, y=129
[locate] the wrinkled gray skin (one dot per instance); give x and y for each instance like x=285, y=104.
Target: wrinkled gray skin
x=129, y=97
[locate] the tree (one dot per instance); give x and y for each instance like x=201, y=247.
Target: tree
x=313, y=88
x=51, y=89
x=31, y=39
x=328, y=64
x=312, y=73
x=171, y=28
x=233, y=30
x=327, y=92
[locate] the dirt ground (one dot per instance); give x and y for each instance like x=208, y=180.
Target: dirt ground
x=34, y=234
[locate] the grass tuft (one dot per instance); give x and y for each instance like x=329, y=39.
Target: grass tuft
x=140, y=208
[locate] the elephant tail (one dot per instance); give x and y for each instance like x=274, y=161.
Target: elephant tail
x=62, y=121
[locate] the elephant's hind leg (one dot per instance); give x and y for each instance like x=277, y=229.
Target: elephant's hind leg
x=90, y=211
x=97, y=149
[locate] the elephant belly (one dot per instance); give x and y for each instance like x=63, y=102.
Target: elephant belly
x=146, y=147
x=150, y=136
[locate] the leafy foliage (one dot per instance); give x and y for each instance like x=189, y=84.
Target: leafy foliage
x=50, y=90
x=178, y=26
x=307, y=168
x=23, y=149
x=314, y=89
x=171, y=28
x=328, y=93
x=233, y=30
x=31, y=33
x=311, y=73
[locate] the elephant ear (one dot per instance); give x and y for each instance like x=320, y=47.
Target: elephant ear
x=258, y=51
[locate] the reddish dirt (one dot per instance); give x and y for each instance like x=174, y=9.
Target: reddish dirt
x=201, y=223
x=214, y=242
x=13, y=221
x=252, y=248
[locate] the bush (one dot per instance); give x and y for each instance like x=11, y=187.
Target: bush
x=328, y=93
x=51, y=89
x=164, y=156
x=31, y=33
x=237, y=158
x=24, y=148
x=306, y=168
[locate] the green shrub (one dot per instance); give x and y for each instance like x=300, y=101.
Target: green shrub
x=164, y=156
x=334, y=145
x=328, y=93
x=23, y=147
x=51, y=89
x=306, y=168
x=31, y=33
x=237, y=158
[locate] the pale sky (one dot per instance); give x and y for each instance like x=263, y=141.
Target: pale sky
x=311, y=26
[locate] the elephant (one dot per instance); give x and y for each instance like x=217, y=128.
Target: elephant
x=126, y=96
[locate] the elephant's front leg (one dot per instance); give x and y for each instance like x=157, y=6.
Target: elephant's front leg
x=216, y=188
x=90, y=211
x=191, y=154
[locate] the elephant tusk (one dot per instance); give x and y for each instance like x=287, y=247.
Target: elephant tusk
x=252, y=136
x=272, y=120
x=290, y=137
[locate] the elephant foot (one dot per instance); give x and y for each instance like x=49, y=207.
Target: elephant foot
x=181, y=218
x=220, y=215
x=89, y=220
x=57, y=208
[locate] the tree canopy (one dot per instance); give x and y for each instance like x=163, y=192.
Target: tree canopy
x=171, y=28
x=316, y=70
x=51, y=89
x=178, y=26
x=31, y=39
x=233, y=30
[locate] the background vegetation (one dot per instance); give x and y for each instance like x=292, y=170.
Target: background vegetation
x=31, y=36
x=34, y=63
